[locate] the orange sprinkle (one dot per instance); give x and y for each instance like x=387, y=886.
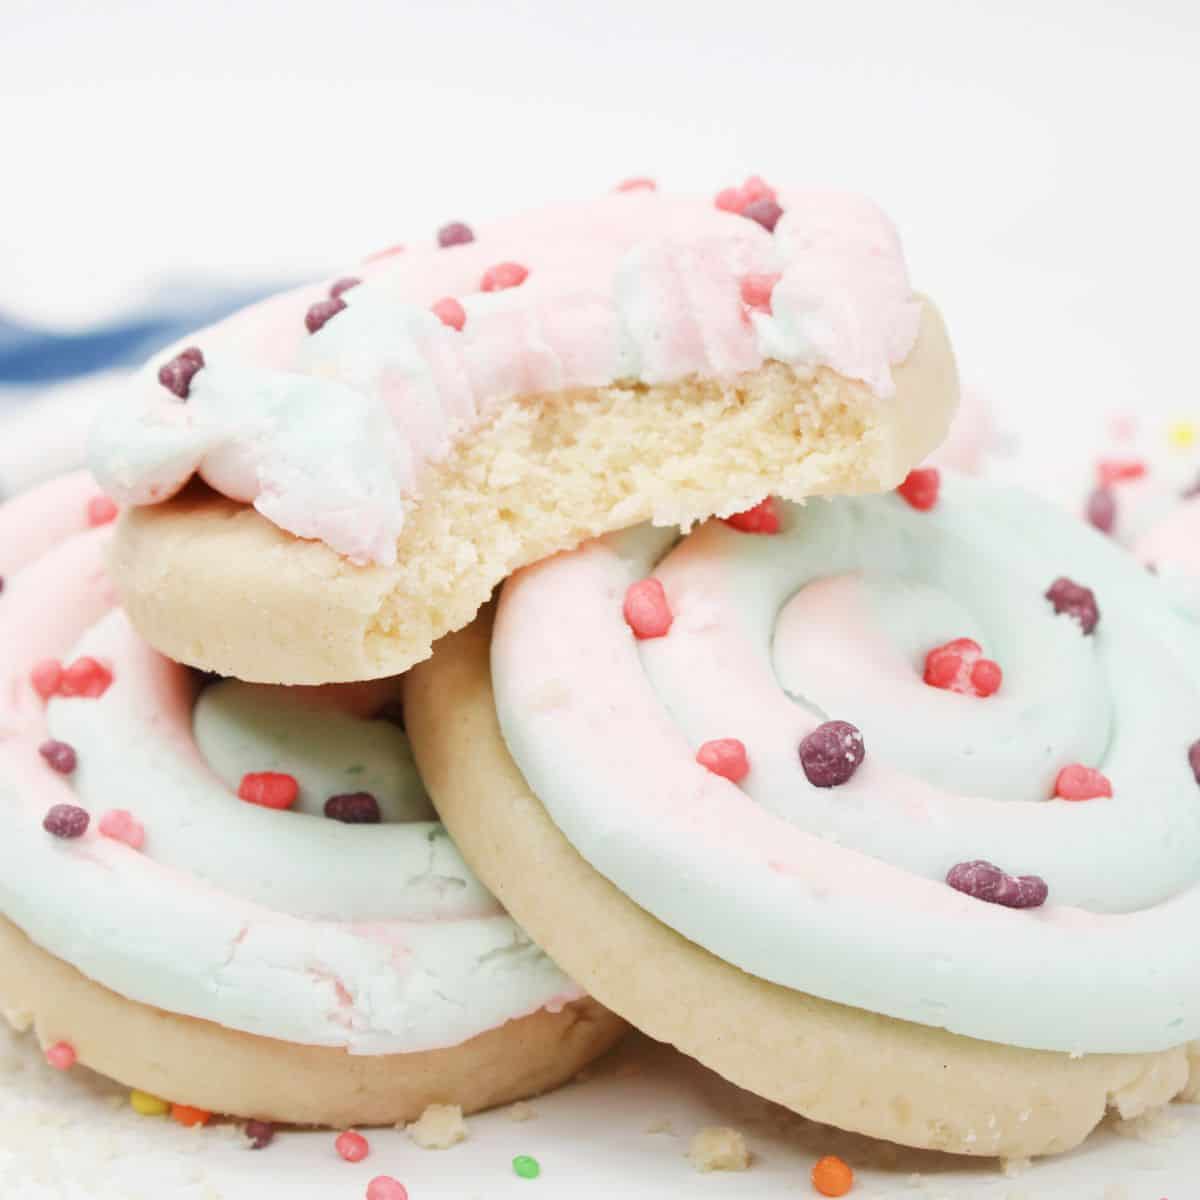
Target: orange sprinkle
x=831, y=1176
x=188, y=1116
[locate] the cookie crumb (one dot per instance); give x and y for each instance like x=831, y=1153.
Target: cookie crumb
x=521, y=1111
x=1154, y=1125
x=719, y=1148
x=439, y=1127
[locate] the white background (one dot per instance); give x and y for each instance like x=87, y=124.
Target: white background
x=1039, y=158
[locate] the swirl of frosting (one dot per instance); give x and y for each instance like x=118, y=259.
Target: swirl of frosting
x=327, y=434
x=842, y=891
x=372, y=937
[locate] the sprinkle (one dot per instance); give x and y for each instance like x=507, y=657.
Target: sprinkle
x=386, y=252
x=959, y=666
x=526, y=1166
x=756, y=291
x=639, y=183
x=353, y=1147
x=646, y=609
x=1101, y=510
x=343, y=285
x=1119, y=470
x=832, y=753
x=46, y=677
x=1181, y=435
x=188, y=1117
x=66, y=821
x=725, y=757
x=60, y=756
x=321, y=312
x=269, y=789
x=729, y=200
x=176, y=375
x=754, y=191
x=101, y=510
x=86, y=679
x=260, y=1134
x=122, y=826
x=831, y=1176
x=762, y=518
x=384, y=1187
x=921, y=487
x=147, y=1105
x=987, y=882
x=1194, y=759
x=1076, y=601
x=61, y=1056
x=503, y=276
x=455, y=234
x=765, y=212
x=353, y=808
x=450, y=312
x=1077, y=782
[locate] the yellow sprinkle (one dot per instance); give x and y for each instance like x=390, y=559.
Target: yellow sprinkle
x=148, y=1105
x=1181, y=435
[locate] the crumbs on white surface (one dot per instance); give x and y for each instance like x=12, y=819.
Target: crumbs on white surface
x=719, y=1148
x=439, y=1127
x=1154, y=1125
x=521, y=1111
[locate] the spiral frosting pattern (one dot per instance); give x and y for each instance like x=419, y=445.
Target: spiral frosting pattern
x=842, y=891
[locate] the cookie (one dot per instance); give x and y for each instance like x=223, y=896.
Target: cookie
x=380, y=451
x=887, y=815
x=236, y=896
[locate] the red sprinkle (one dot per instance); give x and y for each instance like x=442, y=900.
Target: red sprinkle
x=187, y=1116
x=59, y=756
x=502, y=276
x=920, y=487
x=353, y=1147
x=762, y=518
x=47, y=677
x=260, y=1134
x=61, y=1056
x=959, y=666
x=639, y=183
x=455, y=234
x=756, y=291
x=66, y=821
x=765, y=212
x=343, y=285
x=725, y=757
x=101, y=510
x=1100, y=511
x=646, y=609
x=269, y=789
x=122, y=826
x=321, y=312
x=1077, y=782
x=384, y=1187
x=450, y=312
x=86, y=678
x=176, y=375
x=1117, y=470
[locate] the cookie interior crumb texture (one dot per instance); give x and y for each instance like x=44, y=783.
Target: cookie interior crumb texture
x=439, y=1127
x=719, y=1148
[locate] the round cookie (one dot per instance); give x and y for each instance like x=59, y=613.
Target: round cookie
x=832, y=948
x=162, y=914
x=381, y=451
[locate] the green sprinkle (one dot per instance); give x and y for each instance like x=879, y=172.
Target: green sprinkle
x=527, y=1167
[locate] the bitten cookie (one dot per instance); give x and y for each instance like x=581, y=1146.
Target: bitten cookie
x=382, y=450
x=883, y=808
x=237, y=896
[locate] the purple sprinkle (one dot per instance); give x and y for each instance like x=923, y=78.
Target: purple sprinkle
x=985, y=881
x=176, y=375
x=320, y=312
x=455, y=234
x=765, y=211
x=831, y=753
x=66, y=821
x=259, y=1133
x=1194, y=759
x=59, y=755
x=1075, y=600
x=1101, y=509
x=353, y=808
x=343, y=285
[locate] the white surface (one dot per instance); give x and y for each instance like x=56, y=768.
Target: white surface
x=1038, y=157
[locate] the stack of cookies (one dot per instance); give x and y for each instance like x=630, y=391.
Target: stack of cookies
x=601, y=535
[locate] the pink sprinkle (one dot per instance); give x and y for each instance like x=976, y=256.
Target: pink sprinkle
x=959, y=666
x=503, y=276
x=450, y=312
x=46, y=677
x=762, y=518
x=353, y=1147
x=343, y=285
x=122, y=826
x=729, y=200
x=318, y=314
x=455, y=234
x=756, y=291
x=639, y=183
x=1078, y=782
x=646, y=609
x=59, y=756
x=725, y=757
x=86, y=678
x=1118, y=470
x=269, y=789
x=61, y=1056
x=384, y=1187
x=765, y=212
x=921, y=487
x=101, y=510
x=386, y=252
